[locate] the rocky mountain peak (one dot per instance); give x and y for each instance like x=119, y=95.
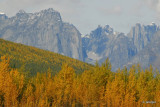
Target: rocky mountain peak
x=3, y=16
x=102, y=32
x=45, y=30
x=50, y=15
x=49, y=10
x=21, y=12
x=153, y=24
x=97, y=32
x=104, y=42
x=141, y=35
x=21, y=16
x=152, y=27
x=108, y=29
x=138, y=25
x=47, y=13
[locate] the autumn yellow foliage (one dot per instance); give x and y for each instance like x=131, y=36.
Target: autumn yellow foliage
x=33, y=60
x=98, y=87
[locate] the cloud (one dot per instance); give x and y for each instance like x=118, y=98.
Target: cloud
x=116, y=10
x=12, y=6
x=153, y=4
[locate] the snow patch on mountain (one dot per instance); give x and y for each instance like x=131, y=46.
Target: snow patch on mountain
x=84, y=36
x=92, y=55
x=2, y=13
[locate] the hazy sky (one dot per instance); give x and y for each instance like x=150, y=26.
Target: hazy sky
x=86, y=15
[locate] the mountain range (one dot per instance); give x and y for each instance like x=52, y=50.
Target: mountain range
x=46, y=30
x=138, y=46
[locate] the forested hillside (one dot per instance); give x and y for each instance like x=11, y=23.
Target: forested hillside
x=98, y=87
x=33, y=60
x=74, y=83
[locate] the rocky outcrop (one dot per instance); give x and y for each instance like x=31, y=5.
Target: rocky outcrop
x=150, y=55
x=141, y=35
x=103, y=42
x=45, y=30
x=138, y=46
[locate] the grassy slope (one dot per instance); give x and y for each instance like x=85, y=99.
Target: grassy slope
x=37, y=60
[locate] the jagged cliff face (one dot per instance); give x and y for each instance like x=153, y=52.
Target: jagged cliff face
x=146, y=40
x=45, y=30
x=122, y=50
x=141, y=35
x=149, y=55
x=103, y=42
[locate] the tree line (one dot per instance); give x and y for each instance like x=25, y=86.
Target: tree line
x=97, y=87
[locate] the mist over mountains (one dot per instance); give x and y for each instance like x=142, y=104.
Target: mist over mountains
x=46, y=30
